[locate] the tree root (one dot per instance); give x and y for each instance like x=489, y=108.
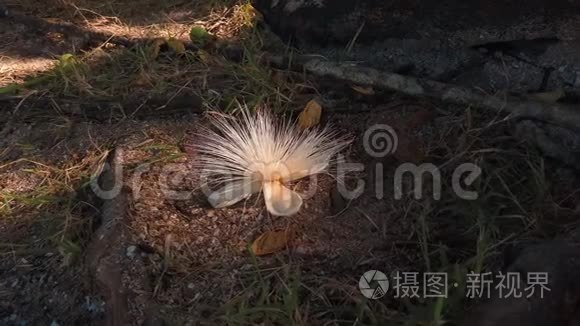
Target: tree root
x=516, y=108
x=554, y=128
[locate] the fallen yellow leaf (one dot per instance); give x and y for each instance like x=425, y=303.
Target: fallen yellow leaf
x=176, y=45
x=271, y=242
x=364, y=90
x=549, y=97
x=310, y=116
x=204, y=56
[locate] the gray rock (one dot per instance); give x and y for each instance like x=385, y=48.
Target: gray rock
x=556, y=306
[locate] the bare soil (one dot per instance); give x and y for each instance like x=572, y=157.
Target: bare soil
x=177, y=261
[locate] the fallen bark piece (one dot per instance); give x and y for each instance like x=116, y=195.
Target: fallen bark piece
x=106, y=249
x=118, y=273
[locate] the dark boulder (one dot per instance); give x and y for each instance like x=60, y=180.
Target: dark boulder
x=339, y=20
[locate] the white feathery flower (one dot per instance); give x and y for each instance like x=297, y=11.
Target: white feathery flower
x=253, y=153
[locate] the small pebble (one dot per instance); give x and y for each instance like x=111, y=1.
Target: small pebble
x=131, y=251
x=300, y=250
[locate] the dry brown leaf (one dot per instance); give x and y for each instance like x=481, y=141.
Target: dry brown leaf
x=155, y=47
x=271, y=242
x=143, y=79
x=368, y=90
x=176, y=45
x=255, y=14
x=310, y=116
